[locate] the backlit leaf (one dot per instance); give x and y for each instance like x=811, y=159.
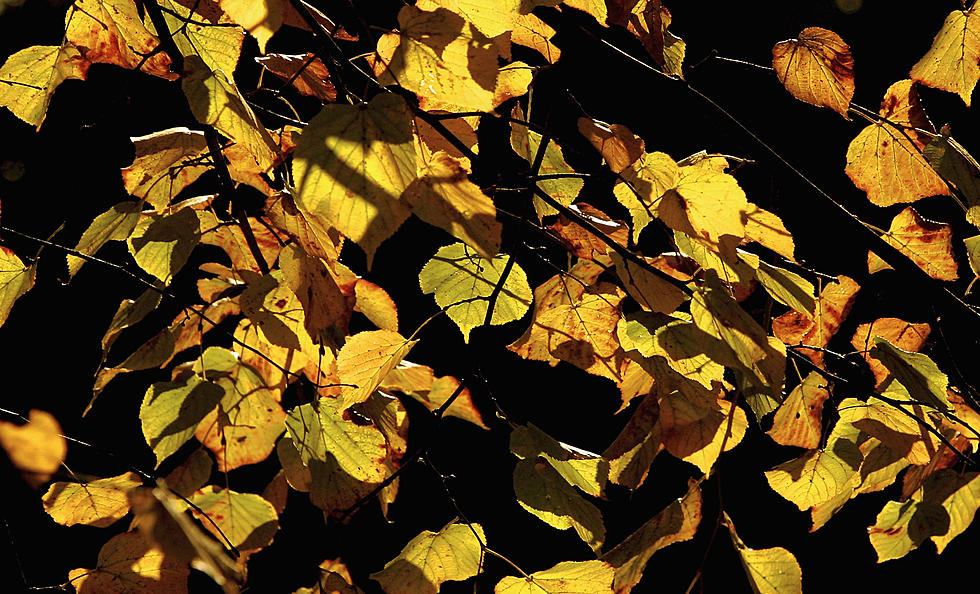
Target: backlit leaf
x=166, y=162
x=322, y=300
x=366, y=359
x=568, y=577
x=833, y=305
x=313, y=80
x=811, y=479
x=585, y=244
x=419, y=382
x=171, y=411
x=261, y=18
x=543, y=492
x=816, y=68
x=129, y=563
x=431, y=558
x=677, y=522
x=927, y=243
x=887, y=162
x=904, y=335
x=648, y=20
x=192, y=473
x=770, y=571
x=161, y=244
x=958, y=167
x=372, y=301
x=649, y=290
x=15, y=280
x=112, y=32
x=581, y=469
x=916, y=371
x=346, y=460
x=247, y=520
x=97, y=503
x=352, y=164
x=617, y=145
x=697, y=426
x=29, y=78
x=491, y=18
x=36, y=448
x=788, y=288
x=951, y=63
x=440, y=57
x=643, y=184
x=797, y=421
x=532, y=32
x=463, y=281
x=443, y=196
x=116, y=224
x=961, y=502
x=767, y=229
x=525, y=143
x=636, y=446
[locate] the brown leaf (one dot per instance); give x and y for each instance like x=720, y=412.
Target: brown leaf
x=816, y=68
x=927, y=243
x=313, y=80
x=617, y=145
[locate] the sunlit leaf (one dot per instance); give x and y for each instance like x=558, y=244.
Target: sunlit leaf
x=97, y=503
x=112, y=32
x=787, y=287
x=813, y=478
x=951, y=63
x=443, y=196
x=532, y=32
x=29, y=78
x=677, y=522
x=960, y=495
x=260, y=18
x=129, y=563
x=584, y=243
x=927, y=243
x=816, y=68
x=648, y=20
x=312, y=80
x=917, y=372
x=366, y=359
x=15, y=280
x=636, y=446
x=885, y=159
x=491, y=18
x=585, y=470
x=904, y=335
x=767, y=229
x=526, y=143
x=617, y=145
x=372, y=301
x=697, y=426
x=161, y=244
x=166, y=162
x=649, y=290
x=322, y=300
x=770, y=571
x=463, y=281
x=568, y=577
x=958, y=167
x=419, y=382
x=36, y=448
x=248, y=521
x=431, y=558
x=171, y=411
x=352, y=164
x=543, y=492
x=440, y=57
x=797, y=421
x=833, y=305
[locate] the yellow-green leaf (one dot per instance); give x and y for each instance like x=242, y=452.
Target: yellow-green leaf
x=116, y=224
x=365, y=360
x=579, y=468
x=958, y=167
x=568, y=577
x=247, y=520
x=649, y=290
x=543, y=492
x=634, y=449
x=917, y=372
x=526, y=143
x=351, y=165
x=787, y=288
x=813, y=478
x=166, y=162
x=643, y=184
x=431, y=558
x=770, y=571
x=97, y=503
x=462, y=282
x=15, y=280
x=171, y=411
x=29, y=78
x=161, y=244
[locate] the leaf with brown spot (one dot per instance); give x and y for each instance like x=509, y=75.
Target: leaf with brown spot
x=797, y=421
x=885, y=159
x=904, y=335
x=583, y=243
x=927, y=243
x=112, y=32
x=816, y=68
x=833, y=305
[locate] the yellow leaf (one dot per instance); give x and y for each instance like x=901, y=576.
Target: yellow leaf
x=798, y=419
x=767, y=229
x=958, y=168
x=812, y=479
x=116, y=224
x=643, y=184
x=462, y=282
x=205, y=33
x=419, y=382
x=248, y=521
x=491, y=18
x=543, y=492
x=129, y=563
x=37, y=448
x=352, y=164
x=617, y=145
x=583, y=243
x=29, y=78
x=513, y=80
x=166, y=163
x=916, y=372
x=687, y=349
x=568, y=577
x=960, y=495
x=532, y=32
x=697, y=426
x=787, y=287
x=248, y=419
x=649, y=290
x=440, y=57
x=582, y=469
x=313, y=80
x=161, y=244
x=375, y=303
x=904, y=335
x=365, y=360
x=833, y=305
x=927, y=243
x=431, y=558
x=951, y=64
x=443, y=196
x=677, y=522
x=171, y=411
x=648, y=20
x=887, y=162
x=112, y=32
x=98, y=503
x=770, y=571
x=260, y=18
x=322, y=301
x=525, y=143
x=15, y=280
x=816, y=68
x=637, y=445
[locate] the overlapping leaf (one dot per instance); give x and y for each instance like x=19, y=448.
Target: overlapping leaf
x=526, y=143
x=833, y=305
x=166, y=162
x=770, y=571
x=568, y=577
x=15, y=280
x=544, y=492
x=248, y=521
x=129, y=562
x=454, y=553
x=171, y=411
x=797, y=421
x=366, y=359
x=112, y=32
x=903, y=335
x=97, y=503
x=29, y=78
x=927, y=243
x=306, y=72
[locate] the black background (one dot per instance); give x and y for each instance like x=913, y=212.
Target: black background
x=49, y=348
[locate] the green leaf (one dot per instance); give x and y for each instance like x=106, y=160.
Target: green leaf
x=915, y=371
x=116, y=224
x=351, y=165
x=431, y=558
x=171, y=411
x=770, y=571
x=579, y=468
x=161, y=244
x=15, y=280
x=568, y=577
x=462, y=281
x=248, y=521
x=543, y=492
x=525, y=143
x=128, y=313
x=787, y=288
x=637, y=445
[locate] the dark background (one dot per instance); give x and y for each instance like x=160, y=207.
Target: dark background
x=49, y=348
